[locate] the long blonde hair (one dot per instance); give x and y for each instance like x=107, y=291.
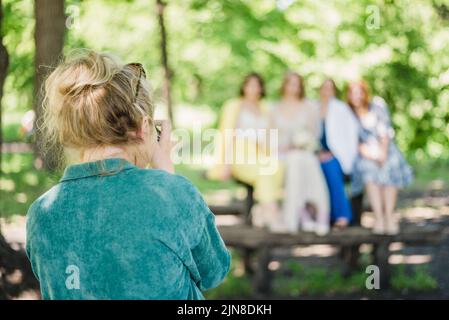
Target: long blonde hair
x=90, y=101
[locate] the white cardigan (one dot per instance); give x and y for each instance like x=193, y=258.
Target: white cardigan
x=342, y=130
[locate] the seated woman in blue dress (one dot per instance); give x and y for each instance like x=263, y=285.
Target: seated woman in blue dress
x=339, y=134
x=380, y=167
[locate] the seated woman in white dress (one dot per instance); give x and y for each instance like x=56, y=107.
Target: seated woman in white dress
x=306, y=198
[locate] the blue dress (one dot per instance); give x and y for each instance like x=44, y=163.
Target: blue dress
x=111, y=230
x=395, y=171
x=340, y=206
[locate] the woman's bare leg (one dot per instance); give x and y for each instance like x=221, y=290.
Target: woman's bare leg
x=375, y=196
x=390, y=198
x=294, y=190
x=273, y=217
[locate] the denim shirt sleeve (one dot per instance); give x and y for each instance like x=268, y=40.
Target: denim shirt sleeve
x=210, y=255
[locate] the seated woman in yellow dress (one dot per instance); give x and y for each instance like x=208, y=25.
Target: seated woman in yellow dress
x=243, y=151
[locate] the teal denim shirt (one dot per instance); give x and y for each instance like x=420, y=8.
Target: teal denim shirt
x=111, y=230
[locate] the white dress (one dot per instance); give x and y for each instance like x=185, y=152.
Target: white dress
x=304, y=180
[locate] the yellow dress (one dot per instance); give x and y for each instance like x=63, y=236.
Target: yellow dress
x=250, y=161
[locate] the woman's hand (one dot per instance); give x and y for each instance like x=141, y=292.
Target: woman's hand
x=226, y=174
x=161, y=155
x=383, y=154
x=325, y=156
x=379, y=155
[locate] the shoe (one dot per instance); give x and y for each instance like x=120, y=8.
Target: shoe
x=378, y=229
x=275, y=222
x=308, y=226
x=392, y=229
x=322, y=229
x=341, y=223
x=278, y=228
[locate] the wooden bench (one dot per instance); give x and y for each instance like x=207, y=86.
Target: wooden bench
x=350, y=254
x=262, y=242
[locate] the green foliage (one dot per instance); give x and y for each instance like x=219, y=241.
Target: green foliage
x=21, y=184
x=214, y=43
x=18, y=28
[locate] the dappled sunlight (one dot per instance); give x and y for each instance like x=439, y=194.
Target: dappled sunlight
x=31, y=179
x=315, y=251
x=274, y=265
x=220, y=197
x=15, y=163
x=431, y=201
x=194, y=116
x=227, y=220
x=409, y=259
x=21, y=197
x=14, y=230
x=50, y=197
x=417, y=214
x=366, y=248
x=7, y=184
x=438, y=184
x=396, y=246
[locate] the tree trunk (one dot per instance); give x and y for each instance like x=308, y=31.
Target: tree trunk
x=4, y=62
x=49, y=41
x=164, y=57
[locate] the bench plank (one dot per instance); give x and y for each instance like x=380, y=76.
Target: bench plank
x=245, y=236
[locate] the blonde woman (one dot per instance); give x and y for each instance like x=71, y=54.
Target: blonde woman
x=306, y=198
x=242, y=151
x=113, y=228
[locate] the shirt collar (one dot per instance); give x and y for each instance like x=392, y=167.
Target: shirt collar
x=97, y=168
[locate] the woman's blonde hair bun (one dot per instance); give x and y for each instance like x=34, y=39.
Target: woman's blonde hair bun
x=90, y=100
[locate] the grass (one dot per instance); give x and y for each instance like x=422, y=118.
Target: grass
x=320, y=281
x=417, y=279
x=316, y=281
x=294, y=280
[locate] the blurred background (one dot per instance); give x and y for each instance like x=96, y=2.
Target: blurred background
x=196, y=53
